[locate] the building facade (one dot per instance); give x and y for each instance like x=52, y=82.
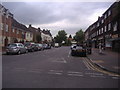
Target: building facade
x=46, y=36
x=106, y=29
x=12, y=31
x=5, y=26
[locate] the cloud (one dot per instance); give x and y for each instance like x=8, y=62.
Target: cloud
x=69, y=16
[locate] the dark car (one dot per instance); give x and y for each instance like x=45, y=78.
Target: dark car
x=46, y=46
x=40, y=46
x=78, y=51
x=15, y=48
x=30, y=46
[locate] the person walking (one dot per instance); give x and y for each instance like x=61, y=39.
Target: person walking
x=100, y=48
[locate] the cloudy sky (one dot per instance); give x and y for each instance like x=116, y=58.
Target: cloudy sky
x=68, y=16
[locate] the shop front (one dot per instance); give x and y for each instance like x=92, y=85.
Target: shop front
x=108, y=42
x=115, y=43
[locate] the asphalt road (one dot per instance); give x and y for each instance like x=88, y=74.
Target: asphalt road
x=52, y=68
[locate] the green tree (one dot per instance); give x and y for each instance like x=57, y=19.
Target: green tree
x=70, y=36
x=61, y=36
x=79, y=36
x=68, y=42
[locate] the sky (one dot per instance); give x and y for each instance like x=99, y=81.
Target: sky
x=55, y=16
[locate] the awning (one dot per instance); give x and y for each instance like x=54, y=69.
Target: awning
x=113, y=39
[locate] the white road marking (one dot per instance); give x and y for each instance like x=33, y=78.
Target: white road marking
x=115, y=77
x=69, y=53
x=60, y=60
x=58, y=72
x=55, y=73
x=75, y=74
x=64, y=60
x=35, y=71
x=20, y=69
x=100, y=74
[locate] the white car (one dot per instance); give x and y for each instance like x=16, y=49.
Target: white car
x=56, y=44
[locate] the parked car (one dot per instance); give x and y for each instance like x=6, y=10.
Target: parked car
x=89, y=50
x=40, y=46
x=73, y=46
x=30, y=46
x=15, y=48
x=47, y=46
x=56, y=45
x=78, y=51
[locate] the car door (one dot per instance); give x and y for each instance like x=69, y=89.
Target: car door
x=23, y=48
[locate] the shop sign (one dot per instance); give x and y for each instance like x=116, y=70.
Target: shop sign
x=108, y=36
x=115, y=36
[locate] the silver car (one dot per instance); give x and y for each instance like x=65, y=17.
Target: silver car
x=15, y=48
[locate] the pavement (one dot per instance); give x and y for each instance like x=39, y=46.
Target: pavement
x=108, y=59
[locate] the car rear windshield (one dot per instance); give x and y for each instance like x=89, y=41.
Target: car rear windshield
x=79, y=47
x=12, y=45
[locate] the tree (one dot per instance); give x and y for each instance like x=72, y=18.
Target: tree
x=79, y=36
x=61, y=36
x=70, y=36
x=38, y=38
x=68, y=42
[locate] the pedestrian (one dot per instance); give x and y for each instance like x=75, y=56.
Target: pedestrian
x=100, y=48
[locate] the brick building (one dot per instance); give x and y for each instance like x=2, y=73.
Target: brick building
x=12, y=31
x=5, y=26
x=106, y=29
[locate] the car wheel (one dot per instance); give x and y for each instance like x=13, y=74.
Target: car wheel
x=26, y=51
x=84, y=55
x=32, y=50
x=72, y=54
x=19, y=52
x=7, y=53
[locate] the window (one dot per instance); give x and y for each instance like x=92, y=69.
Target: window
x=6, y=28
x=105, y=28
x=99, y=31
x=98, y=24
x=17, y=31
x=13, y=30
x=22, y=33
x=30, y=34
x=109, y=26
x=109, y=12
x=105, y=16
x=1, y=26
x=115, y=27
x=102, y=30
x=102, y=20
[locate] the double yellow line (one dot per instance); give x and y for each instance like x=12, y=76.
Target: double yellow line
x=92, y=66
